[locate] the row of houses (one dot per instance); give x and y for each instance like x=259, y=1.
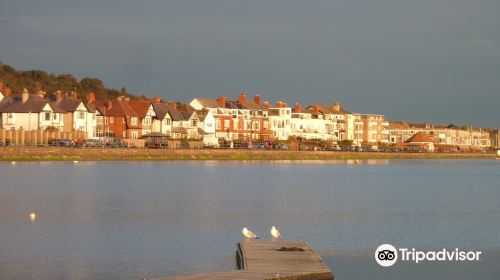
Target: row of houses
x=207, y=119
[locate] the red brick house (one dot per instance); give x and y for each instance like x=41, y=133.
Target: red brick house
x=116, y=118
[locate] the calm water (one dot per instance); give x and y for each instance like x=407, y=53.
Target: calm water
x=136, y=220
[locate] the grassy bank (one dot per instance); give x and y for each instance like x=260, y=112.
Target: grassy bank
x=70, y=154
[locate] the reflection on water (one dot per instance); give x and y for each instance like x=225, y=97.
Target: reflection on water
x=119, y=220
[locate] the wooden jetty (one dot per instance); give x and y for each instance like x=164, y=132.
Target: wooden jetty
x=263, y=260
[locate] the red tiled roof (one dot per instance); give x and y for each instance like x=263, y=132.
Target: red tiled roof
x=141, y=107
x=419, y=137
x=118, y=108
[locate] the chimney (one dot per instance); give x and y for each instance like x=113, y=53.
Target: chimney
x=73, y=95
x=243, y=98
x=336, y=106
x=315, y=109
x=59, y=96
x=298, y=108
x=266, y=105
x=156, y=99
x=256, y=99
x=221, y=101
x=90, y=98
x=109, y=104
x=25, y=95
x=7, y=91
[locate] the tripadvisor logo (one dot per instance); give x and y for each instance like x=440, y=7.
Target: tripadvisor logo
x=387, y=255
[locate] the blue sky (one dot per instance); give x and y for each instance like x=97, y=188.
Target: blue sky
x=426, y=60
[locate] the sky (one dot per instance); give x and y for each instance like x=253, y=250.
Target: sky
x=425, y=60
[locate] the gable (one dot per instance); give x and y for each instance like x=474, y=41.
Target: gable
x=151, y=111
x=82, y=107
x=47, y=108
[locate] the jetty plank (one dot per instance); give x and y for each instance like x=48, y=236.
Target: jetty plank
x=261, y=260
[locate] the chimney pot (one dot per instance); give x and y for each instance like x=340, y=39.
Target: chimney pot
x=298, y=108
x=156, y=99
x=7, y=91
x=59, y=96
x=25, y=95
x=90, y=98
x=221, y=101
x=243, y=98
x=315, y=109
x=336, y=106
x=256, y=99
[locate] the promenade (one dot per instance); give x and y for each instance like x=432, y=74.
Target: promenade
x=124, y=154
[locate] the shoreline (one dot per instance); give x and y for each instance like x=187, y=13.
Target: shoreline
x=99, y=154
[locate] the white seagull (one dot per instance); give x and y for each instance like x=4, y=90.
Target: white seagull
x=275, y=234
x=249, y=234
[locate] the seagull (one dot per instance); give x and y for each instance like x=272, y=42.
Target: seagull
x=275, y=234
x=249, y=234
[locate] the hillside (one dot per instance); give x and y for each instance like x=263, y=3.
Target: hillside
x=33, y=80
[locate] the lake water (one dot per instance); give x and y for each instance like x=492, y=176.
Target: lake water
x=137, y=220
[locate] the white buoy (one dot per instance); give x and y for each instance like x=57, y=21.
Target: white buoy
x=13, y=162
x=75, y=161
x=32, y=216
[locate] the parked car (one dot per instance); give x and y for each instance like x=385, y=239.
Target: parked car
x=93, y=143
x=258, y=146
x=80, y=143
x=282, y=147
x=65, y=143
x=52, y=142
x=115, y=143
x=269, y=145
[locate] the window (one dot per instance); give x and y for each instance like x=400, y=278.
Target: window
x=166, y=122
x=46, y=116
x=194, y=122
x=124, y=119
x=106, y=120
x=146, y=121
x=111, y=119
x=217, y=124
x=56, y=117
x=11, y=118
x=133, y=121
x=81, y=115
x=124, y=134
x=135, y=134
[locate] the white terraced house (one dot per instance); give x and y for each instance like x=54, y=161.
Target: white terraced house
x=30, y=112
